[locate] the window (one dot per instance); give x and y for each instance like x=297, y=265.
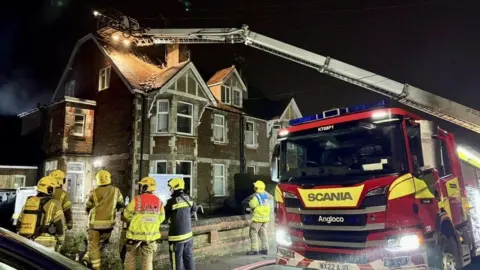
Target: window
x=70, y=88
x=185, y=118
x=104, y=78
x=219, y=186
x=219, y=128
x=163, y=110
x=225, y=94
x=79, y=126
x=250, y=133
x=75, y=180
x=185, y=168
x=50, y=166
x=251, y=170
x=160, y=167
x=415, y=144
x=237, y=98
x=18, y=181
x=445, y=168
x=191, y=84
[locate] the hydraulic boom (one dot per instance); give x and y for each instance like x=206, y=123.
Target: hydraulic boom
x=406, y=94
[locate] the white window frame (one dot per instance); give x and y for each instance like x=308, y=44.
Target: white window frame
x=162, y=113
x=239, y=96
x=51, y=163
x=22, y=176
x=253, y=132
x=186, y=116
x=254, y=169
x=220, y=126
x=104, y=78
x=229, y=90
x=223, y=177
x=184, y=175
x=83, y=125
x=156, y=166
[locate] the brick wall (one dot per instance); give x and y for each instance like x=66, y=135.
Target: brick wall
x=73, y=143
x=54, y=132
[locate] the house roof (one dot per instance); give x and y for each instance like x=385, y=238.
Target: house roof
x=221, y=75
x=265, y=108
x=139, y=69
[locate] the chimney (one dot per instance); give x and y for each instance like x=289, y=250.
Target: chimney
x=176, y=54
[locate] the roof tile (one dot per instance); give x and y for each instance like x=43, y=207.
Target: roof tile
x=220, y=75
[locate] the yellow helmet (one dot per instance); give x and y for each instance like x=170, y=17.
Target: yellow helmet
x=176, y=184
x=46, y=185
x=259, y=185
x=58, y=175
x=103, y=178
x=147, y=184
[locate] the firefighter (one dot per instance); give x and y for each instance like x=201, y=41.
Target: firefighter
x=261, y=216
x=179, y=210
x=101, y=206
x=145, y=213
x=62, y=196
x=41, y=219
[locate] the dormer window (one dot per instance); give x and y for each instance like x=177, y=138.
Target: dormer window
x=226, y=94
x=237, y=98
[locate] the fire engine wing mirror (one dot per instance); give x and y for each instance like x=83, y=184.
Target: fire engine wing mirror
x=430, y=144
x=275, y=163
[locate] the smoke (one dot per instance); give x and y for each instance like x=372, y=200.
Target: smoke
x=19, y=93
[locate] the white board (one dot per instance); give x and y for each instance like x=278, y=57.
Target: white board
x=163, y=192
x=20, y=199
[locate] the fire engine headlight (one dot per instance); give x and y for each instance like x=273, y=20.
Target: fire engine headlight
x=404, y=242
x=377, y=191
x=283, y=238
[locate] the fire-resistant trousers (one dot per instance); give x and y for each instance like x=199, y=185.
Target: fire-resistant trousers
x=148, y=249
x=96, y=239
x=181, y=255
x=258, y=230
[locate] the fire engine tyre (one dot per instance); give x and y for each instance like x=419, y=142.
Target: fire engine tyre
x=447, y=257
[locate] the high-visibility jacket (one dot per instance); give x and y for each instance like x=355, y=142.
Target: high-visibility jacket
x=62, y=196
x=261, y=207
x=179, y=211
x=38, y=214
x=145, y=214
x=101, y=205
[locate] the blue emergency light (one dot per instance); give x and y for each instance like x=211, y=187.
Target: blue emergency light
x=336, y=112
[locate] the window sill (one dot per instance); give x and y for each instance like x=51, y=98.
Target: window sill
x=220, y=196
x=161, y=134
x=185, y=135
x=220, y=143
x=252, y=146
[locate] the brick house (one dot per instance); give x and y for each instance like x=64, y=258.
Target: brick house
x=135, y=111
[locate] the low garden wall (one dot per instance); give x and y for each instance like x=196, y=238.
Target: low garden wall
x=212, y=237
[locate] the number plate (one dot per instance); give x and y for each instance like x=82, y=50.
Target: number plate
x=333, y=266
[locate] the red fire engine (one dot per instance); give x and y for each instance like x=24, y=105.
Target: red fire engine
x=371, y=188
x=361, y=187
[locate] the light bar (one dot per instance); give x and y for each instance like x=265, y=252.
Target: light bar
x=336, y=112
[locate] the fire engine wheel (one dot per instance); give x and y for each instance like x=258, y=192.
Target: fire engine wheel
x=449, y=255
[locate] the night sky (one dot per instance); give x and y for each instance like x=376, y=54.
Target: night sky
x=431, y=44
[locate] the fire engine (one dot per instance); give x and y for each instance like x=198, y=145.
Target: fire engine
x=363, y=187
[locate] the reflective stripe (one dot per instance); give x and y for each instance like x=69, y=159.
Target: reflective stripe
x=181, y=205
x=114, y=205
x=180, y=237
x=143, y=233
x=67, y=205
x=172, y=250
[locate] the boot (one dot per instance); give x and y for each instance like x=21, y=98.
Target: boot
x=264, y=252
x=252, y=253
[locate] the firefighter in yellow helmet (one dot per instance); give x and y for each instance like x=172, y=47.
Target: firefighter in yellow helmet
x=41, y=219
x=60, y=194
x=101, y=206
x=260, y=204
x=179, y=210
x=145, y=214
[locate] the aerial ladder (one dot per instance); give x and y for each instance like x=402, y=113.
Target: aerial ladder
x=403, y=93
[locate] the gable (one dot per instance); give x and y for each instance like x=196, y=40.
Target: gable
x=234, y=80
x=291, y=111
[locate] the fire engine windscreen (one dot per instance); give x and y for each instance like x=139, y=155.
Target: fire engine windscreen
x=344, y=152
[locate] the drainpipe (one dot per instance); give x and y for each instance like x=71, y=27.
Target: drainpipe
x=242, y=143
x=142, y=136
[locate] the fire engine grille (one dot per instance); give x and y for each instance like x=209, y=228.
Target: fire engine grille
x=335, y=236
x=333, y=257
